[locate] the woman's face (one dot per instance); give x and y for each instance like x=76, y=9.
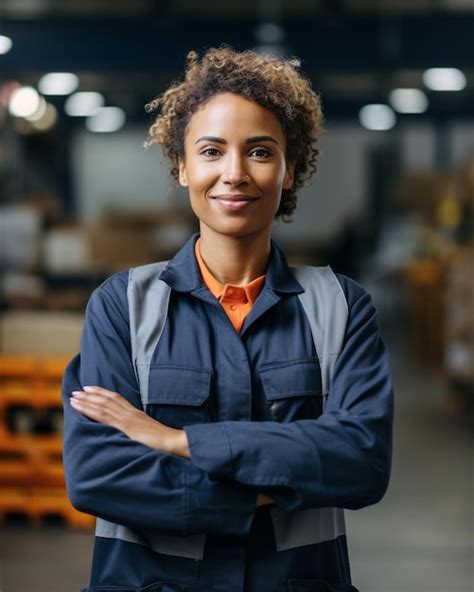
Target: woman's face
x=235, y=166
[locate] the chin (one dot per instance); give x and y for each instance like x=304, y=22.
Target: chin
x=234, y=229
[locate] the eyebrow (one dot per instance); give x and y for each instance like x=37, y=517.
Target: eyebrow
x=247, y=141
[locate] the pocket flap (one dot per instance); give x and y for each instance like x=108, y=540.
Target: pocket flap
x=178, y=385
x=295, y=378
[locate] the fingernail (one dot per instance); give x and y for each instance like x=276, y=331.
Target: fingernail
x=88, y=388
x=76, y=393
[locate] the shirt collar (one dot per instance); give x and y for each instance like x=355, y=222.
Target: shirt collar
x=245, y=292
x=182, y=272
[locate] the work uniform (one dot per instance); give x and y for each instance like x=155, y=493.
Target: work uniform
x=251, y=403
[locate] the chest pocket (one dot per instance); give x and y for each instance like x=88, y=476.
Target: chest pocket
x=293, y=389
x=179, y=395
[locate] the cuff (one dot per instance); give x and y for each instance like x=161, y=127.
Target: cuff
x=210, y=448
x=218, y=507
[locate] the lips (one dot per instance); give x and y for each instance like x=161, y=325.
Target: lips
x=234, y=197
x=234, y=202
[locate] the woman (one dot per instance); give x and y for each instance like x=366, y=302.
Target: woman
x=227, y=476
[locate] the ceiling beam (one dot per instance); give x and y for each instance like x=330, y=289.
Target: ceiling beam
x=155, y=45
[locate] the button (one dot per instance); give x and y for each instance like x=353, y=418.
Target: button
x=233, y=307
x=230, y=290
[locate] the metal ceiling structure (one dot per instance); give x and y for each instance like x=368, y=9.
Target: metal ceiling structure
x=211, y=9
x=354, y=50
x=160, y=45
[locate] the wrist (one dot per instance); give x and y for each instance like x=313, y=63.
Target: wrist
x=177, y=443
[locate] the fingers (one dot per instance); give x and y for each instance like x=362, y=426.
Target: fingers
x=97, y=398
x=104, y=396
x=94, y=411
x=102, y=405
x=116, y=417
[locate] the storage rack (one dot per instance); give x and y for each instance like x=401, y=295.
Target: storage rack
x=31, y=468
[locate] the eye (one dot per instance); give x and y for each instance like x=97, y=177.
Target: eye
x=210, y=152
x=261, y=152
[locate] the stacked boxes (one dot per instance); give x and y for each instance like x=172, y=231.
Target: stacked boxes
x=424, y=279
x=459, y=315
x=31, y=469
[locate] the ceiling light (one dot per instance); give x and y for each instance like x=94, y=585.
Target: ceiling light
x=24, y=101
x=58, y=83
x=40, y=111
x=5, y=44
x=444, y=79
x=48, y=119
x=84, y=104
x=6, y=91
x=408, y=100
x=377, y=117
x=108, y=119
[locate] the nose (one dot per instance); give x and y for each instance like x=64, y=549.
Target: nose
x=235, y=171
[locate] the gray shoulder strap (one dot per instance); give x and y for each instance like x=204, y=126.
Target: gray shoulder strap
x=148, y=299
x=325, y=305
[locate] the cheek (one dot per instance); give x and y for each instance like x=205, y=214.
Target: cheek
x=200, y=178
x=272, y=181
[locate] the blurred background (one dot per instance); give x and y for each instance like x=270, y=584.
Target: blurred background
x=391, y=206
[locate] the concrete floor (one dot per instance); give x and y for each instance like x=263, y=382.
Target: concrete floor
x=419, y=538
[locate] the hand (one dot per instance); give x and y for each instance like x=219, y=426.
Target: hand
x=111, y=408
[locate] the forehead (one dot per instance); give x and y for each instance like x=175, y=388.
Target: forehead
x=228, y=114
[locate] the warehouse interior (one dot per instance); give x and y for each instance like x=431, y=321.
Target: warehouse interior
x=391, y=205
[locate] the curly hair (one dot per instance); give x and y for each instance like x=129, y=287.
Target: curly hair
x=274, y=83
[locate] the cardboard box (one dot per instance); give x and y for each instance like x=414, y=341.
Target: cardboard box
x=40, y=333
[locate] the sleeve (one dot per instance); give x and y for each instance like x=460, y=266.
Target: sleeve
x=342, y=458
x=121, y=480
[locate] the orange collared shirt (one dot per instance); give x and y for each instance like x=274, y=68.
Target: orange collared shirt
x=237, y=301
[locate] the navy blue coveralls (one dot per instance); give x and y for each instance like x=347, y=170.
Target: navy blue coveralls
x=245, y=435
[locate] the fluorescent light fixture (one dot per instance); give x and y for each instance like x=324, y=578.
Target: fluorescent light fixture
x=84, y=104
x=377, y=117
x=6, y=90
x=5, y=44
x=24, y=102
x=39, y=113
x=444, y=79
x=408, y=100
x=108, y=119
x=48, y=120
x=58, y=83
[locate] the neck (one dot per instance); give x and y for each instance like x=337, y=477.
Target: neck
x=234, y=260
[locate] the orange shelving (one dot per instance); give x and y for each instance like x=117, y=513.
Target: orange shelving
x=31, y=468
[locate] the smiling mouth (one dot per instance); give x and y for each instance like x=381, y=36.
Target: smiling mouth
x=234, y=197
x=234, y=202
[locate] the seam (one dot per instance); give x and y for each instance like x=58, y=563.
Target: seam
x=186, y=500
x=286, y=364
x=191, y=402
x=340, y=290
x=283, y=395
x=176, y=367
x=259, y=483
x=227, y=439
x=303, y=361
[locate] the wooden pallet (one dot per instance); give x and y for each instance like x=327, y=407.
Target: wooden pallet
x=31, y=469
x=31, y=460
x=38, y=504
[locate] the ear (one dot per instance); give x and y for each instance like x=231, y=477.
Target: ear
x=289, y=175
x=183, y=177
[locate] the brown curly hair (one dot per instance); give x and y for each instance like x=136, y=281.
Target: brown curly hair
x=270, y=81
